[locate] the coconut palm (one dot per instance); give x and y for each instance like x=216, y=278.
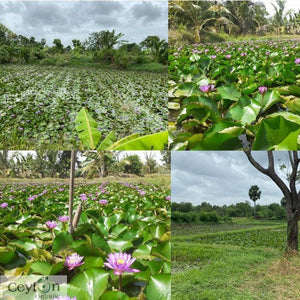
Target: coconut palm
x=280, y=18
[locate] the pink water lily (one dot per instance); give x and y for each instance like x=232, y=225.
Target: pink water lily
x=83, y=197
x=51, y=224
x=63, y=219
x=74, y=261
x=297, y=61
x=4, y=205
x=262, y=89
x=120, y=263
x=207, y=88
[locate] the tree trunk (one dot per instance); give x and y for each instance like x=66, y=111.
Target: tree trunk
x=254, y=209
x=197, y=34
x=289, y=192
x=292, y=236
x=292, y=230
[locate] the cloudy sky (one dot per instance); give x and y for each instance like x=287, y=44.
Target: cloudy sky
x=221, y=177
x=69, y=20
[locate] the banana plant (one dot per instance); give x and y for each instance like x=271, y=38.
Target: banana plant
x=91, y=138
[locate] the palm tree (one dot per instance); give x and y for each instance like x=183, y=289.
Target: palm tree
x=199, y=15
x=5, y=163
x=97, y=163
x=246, y=15
x=254, y=194
x=280, y=18
x=104, y=39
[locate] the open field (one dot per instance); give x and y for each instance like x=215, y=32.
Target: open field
x=163, y=180
x=39, y=104
x=233, y=261
x=116, y=217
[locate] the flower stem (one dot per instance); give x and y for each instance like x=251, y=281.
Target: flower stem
x=262, y=99
x=120, y=282
x=52, y=234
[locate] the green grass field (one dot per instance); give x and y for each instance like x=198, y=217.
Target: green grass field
x=164, y=180
x=243, y=260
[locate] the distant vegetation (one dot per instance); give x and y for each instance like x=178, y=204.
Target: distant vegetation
x=185, y=212
x=103, y=48
x=216, y=21
x=56, y=164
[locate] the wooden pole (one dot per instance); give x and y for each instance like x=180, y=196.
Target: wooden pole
x=71, y=190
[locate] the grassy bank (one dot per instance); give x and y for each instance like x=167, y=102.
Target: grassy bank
x=233, y=261
x=163, y=180
x=183, y=37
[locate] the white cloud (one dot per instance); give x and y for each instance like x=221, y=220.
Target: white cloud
x=221, y=177
x=69, y=20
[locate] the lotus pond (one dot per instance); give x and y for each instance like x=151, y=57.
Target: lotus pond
x=39, y=104
x=131, y=220
x=230, y=96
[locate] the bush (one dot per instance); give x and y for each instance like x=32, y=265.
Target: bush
x=194, y=217
x=104, y=55
x=121, y=59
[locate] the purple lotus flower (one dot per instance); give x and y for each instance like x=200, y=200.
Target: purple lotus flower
x=228, y=56
x=263, y=89
x=32, y=198
x=120, y=263
x=83, y=197
x=63, y=219
x=65, y=298
x=142, y=193
x=51, y=224
x=214, y=56
x=297, y=61
x=103, y=201
x=4, y=205
x=74, y=261
x=207, y=88
x=168, y=198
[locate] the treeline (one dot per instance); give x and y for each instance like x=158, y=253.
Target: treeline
x=103, y=48
x=185, y=212
x=56, y=164
x=213, y=21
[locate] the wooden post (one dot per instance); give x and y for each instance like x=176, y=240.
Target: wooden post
x=71, y=190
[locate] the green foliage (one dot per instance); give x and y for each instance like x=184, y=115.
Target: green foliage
x=35, y=113
x=133, y=165
x=232, y=255
x=132, y=222
x=254, y=193
x=185, y=212
x=195, y=217
x=89, y=135
x=104, y=39
x=233, y=114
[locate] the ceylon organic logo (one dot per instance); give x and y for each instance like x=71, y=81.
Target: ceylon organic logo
x=31, y=286
x=42, y=285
